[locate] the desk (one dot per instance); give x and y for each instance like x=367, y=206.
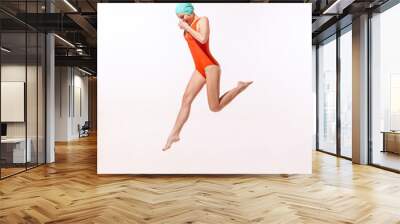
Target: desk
x=16, y=151
x=391, y=141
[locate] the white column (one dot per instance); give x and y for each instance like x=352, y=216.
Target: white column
x=50, y=92
x=360, y=90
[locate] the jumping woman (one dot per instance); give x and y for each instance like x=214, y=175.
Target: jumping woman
x=207, y=70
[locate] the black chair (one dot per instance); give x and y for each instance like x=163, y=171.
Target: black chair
x=84, y=130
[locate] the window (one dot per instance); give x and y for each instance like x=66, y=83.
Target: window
x=385, y=89
x=346, y=75
x=327, y=96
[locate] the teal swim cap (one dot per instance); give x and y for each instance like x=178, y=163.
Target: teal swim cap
x=184, y=8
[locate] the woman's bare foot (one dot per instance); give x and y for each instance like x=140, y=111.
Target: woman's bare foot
x=243, y=85
x=170, y=141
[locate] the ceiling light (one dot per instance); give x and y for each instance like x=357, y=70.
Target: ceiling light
x=64, y=40
x=70, y=5
x=331, y=7
x=338, y=6
x=5, y=50
x=84, y=71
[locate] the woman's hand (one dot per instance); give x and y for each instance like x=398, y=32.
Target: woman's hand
x=183, y=25
x=201, y=34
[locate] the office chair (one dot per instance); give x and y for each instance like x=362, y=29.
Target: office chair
x=84, y=130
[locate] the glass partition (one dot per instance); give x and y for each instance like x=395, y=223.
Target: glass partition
x=327, y=96
x=13, y=109
x=22, y=101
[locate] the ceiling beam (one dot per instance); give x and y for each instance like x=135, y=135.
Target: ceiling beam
x=86, y=26
x=83, y=61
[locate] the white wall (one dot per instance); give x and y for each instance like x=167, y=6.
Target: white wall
x=68, y=82
x=80, y=84
x=144, y=65
x=16, y=72
x=61, y=103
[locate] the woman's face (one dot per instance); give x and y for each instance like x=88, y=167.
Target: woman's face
x=185, y=17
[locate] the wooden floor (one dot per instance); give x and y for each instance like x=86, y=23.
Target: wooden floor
x=69, y=191
x=8, y=171
x=5, y=172
x=387, y=159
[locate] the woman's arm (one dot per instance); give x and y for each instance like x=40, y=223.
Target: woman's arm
x=203, y=27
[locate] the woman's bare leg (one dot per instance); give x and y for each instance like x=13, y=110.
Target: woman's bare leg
x=194, y=86
x=215, y=102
